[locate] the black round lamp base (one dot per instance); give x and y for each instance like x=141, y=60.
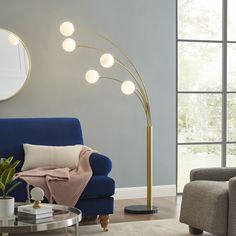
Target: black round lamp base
x=141, y=209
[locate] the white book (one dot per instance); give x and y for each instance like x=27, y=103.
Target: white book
x=26, y=215
x=45, y=208
x=37, y=221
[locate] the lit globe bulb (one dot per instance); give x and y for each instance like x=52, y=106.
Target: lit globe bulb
x=69, y=45
x=92, y=76
x=127, y=87
x=107, y=60
x=67, y=28
x=13, y=39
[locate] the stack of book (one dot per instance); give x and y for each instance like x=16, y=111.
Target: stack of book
x=31, y=215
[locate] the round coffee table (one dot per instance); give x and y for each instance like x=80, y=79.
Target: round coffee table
x=63, y=217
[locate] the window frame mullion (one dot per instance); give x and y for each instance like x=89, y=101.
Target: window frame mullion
x=224, y=83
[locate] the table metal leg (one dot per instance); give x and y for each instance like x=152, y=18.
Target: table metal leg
x=66, y=231
x=77, y=229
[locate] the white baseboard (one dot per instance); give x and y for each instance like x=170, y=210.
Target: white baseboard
x=140, y=192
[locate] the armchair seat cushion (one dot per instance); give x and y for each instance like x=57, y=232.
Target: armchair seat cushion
x=205, y=206
x=99, y=187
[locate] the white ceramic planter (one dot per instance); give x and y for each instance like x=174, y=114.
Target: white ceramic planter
x=7, y=207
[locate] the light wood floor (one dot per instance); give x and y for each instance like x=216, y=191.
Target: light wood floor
x=168, y=207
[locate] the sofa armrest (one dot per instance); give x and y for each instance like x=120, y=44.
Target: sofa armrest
x=100, y=164
x=232, y=207
x=213, y=174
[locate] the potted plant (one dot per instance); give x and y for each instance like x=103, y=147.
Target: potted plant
x=7, y=177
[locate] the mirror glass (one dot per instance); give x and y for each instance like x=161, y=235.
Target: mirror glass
x=14, y=64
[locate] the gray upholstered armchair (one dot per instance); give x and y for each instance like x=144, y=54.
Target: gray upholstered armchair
x=209, y=201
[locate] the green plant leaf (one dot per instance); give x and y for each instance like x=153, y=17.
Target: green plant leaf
x=15, y=164
x=9, y=159
x=6, y=164
x=2, y=186
x=7, y=174
x=4, y=176
x=10, y=176
x=1, y=165
x=12, y=187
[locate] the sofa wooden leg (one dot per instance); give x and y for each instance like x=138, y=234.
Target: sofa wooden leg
x=193, y=230
x=104, y=221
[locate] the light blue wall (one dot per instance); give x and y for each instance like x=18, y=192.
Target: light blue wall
x=112, y=123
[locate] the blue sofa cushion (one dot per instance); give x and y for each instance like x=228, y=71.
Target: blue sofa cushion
x=99, y=187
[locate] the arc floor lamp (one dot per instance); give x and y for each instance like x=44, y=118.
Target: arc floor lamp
x=128, y=87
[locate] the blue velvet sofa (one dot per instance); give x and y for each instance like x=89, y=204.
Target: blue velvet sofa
x=97, y=198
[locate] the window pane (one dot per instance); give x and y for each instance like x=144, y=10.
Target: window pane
x=199, y=117
x=231, y=117
x=231, y=67
x=196, y=156
x=200, y=19
x=231, y=20
x=231, y=155
x=199, y=66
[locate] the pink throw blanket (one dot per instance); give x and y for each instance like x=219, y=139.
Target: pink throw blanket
x=62, y=185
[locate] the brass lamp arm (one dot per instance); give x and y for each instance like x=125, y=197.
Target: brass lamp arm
x=121, y=51
x=138, y=94
x=120, y=63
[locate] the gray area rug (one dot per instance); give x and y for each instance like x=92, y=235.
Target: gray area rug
x=170, y=227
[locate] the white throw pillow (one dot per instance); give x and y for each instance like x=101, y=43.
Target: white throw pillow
x=51, y=156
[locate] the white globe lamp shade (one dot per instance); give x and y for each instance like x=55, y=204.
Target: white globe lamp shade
x=13, y=39
x=67, y=29
x=127, y=87
x=107, y=60
x=92, y=76
x=69, y=45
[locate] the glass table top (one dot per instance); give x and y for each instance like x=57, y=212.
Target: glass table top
x=63, y=217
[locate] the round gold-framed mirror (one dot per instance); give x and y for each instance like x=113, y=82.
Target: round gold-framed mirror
x=15, y=64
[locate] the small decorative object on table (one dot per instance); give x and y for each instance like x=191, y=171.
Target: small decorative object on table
x=35, y=211
x=7, y=184
x=37, y=195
